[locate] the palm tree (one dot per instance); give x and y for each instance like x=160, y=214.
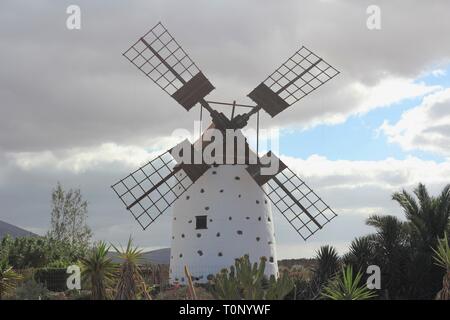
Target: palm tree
x=428, y=219
x=8, y=278
x=429, y=216
x=361, y=253
x=130, y=281
x=99, y=270
x=391, y=252
x=347, y=287
x=328, y=264
x=442, y=259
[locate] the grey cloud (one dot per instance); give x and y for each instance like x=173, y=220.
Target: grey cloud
x=439, y=110
x=65, y=88
x=443, y=130
x=441, y=142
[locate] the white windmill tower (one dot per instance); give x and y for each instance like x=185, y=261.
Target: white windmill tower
x=222, y=209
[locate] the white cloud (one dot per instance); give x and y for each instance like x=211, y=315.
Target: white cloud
x=388, y=92
x=389, y=173
x=425, y=127
x=439, y=73
x=78, y=160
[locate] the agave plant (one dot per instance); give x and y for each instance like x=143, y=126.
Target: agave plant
x=442, y=259
x=130, y=282
x=98, y=270
x=8, y=278
x=328, y=264
x=346, y=287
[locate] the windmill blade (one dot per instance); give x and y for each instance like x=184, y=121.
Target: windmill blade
x=150, y=190
x=300, y=75
x=296, y=201
x=159, y=56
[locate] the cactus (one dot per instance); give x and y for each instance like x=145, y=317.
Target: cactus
x=279, y=288
x=225, y=286
x=248, y=282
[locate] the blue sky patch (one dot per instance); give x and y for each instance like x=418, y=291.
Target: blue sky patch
x=357, y=137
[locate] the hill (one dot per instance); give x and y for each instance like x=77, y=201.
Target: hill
x=13, y=231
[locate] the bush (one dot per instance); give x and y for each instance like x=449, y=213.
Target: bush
x=32, y=290
x=54, y=279
x=39, y=252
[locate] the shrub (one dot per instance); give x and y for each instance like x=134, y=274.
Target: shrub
x=53, y=279
x=39, y=252
x=32, y=290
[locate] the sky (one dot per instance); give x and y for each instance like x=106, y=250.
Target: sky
x=74, y=110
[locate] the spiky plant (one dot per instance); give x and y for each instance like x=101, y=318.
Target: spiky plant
x=244, y=280
x=442, y=259
x=346, y=287
x=247, y=281
x=98, y=270
x=130, y=282
x=8, y=278
x=361, y=253
x=279, y=288
x=328, y=264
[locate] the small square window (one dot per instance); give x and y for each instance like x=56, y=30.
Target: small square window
x=200, y=222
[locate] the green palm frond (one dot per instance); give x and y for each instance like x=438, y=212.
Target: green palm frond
x=361, y=252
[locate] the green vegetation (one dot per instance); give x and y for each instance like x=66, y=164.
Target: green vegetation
x=247, y=281
x=39, y=252
x=404, y=249
x=68, y=218
x=54, y=279
x=8, y=278
x=442, y=259
x=345, y=286
x=98, y=271
x=130, y=282
x=32, y=290
x=328, y=265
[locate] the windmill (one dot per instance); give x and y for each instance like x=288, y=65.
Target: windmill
x=222, y=210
